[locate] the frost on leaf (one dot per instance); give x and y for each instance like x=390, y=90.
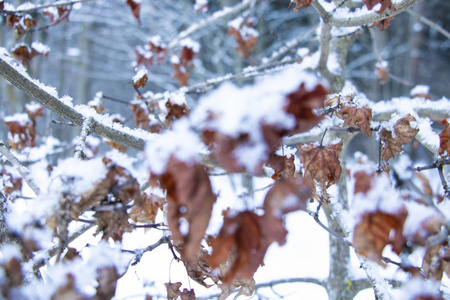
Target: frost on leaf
x=393, y=141
x=246, y=37
x=385, y=4
x=135, y=7
x=240, y=247
x=376, y=230
x=359, y=117
x=321, y=163
x=175, y=112
x=302, y=104
x=189, y=204
x=444, y=137
x=24, y=54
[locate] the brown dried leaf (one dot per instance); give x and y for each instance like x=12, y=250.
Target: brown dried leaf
x=283, y=166
x=427, y=190
x=181, y=74
x=241, y=245
x=359, y=117
x=382, y=25
x=432, y=264
x=175, y=112
x=200, y=270
x=145, y=209
x=68, y=290
x=173, y=290
x=428, y=227
x=189, y=204
x=107, y=281
x=363, y=182
x=135, y=9
x=141, y=82
x=302, y=102
x=382, y=73
x=246, y=44
x=301, y=3
x=385, y=4
x=288, y=195
x=378, y=229
x=321, y=163
x=404, y=134
x=444, y=137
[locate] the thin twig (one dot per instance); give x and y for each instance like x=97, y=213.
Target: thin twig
x=154, y=112
x=24, y=172
x=430, y=23
x=64, y=123
x=315, y=215
x=140, y=252
x=116, y=100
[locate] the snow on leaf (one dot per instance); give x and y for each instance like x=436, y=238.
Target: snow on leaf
x=444, y=137
x=394, y=140
x=135, y=7
x=175, y=112
x=433, y=262
x=246, y=37
x=359, y=117
x=189, y=198
x=24, y=54
x=140, y=79
x=376, y=230
x=385, y=4
x=321, y=163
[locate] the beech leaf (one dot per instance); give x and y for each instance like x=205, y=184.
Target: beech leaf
x=403, y=134
x=241, y=245
x=444, y=137
x=189, y=204
x=321, y=163
x=135, y=7
x=385, y=4
x=283, y=166
x=359, y=117
x=378, y=229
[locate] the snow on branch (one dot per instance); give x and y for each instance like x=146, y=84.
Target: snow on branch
x=24, y=172
x=362, y=17
x=47, y=96
x=29, y=7
x=226, y=12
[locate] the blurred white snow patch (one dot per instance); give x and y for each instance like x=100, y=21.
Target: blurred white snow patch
x=376, y=198
x=181, y=142
x=418, y=288
x=104, y=255
x=420, y=90
x=427, y=135
x=82, y=174
x=9, y=251
x=417, y=213
x=403, y=167
x=140, y=73
x=191, y=44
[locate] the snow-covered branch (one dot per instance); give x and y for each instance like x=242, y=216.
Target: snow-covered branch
x=24, y=172
x=357, y=19
x=17, y=76
x=29, y=8
x=226, y=12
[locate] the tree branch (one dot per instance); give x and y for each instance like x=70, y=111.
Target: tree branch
x=37, y=91
x=24, y=172
x=226, y=12
x=430, y=23
x=352, y=19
